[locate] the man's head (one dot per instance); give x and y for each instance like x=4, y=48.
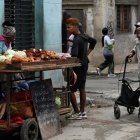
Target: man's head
x=136, y=25
x=9, y=31
x=138, y=33
x=72, y=25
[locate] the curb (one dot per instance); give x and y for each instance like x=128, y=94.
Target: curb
x=105, y=73
x=132, y=67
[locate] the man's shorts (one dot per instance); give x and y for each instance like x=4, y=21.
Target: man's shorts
x=81, y=78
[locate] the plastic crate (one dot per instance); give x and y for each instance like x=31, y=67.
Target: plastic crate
x=63, y=94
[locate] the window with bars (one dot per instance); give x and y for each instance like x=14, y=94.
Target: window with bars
x=21, y=13
x=123, y=18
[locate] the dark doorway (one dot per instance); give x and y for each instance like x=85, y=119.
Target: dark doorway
x=78, y=13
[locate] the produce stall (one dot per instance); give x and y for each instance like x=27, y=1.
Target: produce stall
x=40, y=118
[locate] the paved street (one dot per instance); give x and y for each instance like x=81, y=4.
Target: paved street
x=109, y=87
x=101, y=123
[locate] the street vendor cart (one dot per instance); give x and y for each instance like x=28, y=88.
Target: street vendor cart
x=45, y=119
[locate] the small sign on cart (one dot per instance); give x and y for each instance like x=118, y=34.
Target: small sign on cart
x=44, y=105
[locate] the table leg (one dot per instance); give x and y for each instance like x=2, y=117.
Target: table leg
x=41, y=75
x=68, y=85
x=9, y=83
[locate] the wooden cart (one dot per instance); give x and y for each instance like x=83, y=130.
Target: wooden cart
x=30, y=126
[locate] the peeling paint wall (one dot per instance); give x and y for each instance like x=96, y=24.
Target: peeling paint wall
x=104, y=16
x=89, y=21
x=101, y=13
x=90, y=25
x=125, y=41
x=1, y=14
x=48, y=17
x=52, y=17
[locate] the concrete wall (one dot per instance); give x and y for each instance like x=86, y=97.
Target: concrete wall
x=1, y=14
x=89, y=16
x=98, y=13
x=101, y=13
x=52, y=17
x=125, y=41
x=128, y=2
x=39, y=24
x=47, y=31
x=104, y=16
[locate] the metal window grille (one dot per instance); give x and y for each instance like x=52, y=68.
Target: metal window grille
x=123, y=18
x=21, y=13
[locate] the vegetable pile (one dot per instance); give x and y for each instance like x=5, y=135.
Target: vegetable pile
x=31, y=55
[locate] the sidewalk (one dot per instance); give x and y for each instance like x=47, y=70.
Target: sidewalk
x=94, y=88
x=118, y=68
x=101, y=123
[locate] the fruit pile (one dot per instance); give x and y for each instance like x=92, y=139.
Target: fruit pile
x=31, y=55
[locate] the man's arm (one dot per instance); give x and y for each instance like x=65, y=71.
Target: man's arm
x=132, y=53
x=92, y=42
x=89, y=51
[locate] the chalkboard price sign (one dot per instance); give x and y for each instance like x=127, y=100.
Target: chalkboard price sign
x=44, y=105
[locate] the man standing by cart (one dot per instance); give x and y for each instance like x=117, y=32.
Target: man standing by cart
x=80, y=50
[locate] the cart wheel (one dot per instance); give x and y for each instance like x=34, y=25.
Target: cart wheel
x=29, y=130
x=117, y=112
x=130, y=110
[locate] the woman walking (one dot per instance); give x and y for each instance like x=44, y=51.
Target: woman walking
x=107, y=44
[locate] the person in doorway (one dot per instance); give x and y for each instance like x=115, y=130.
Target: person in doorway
x=65, y=16
x=80, y=50
x=107, y=45
x=136, y=49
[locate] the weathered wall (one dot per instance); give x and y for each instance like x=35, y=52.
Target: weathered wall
x=48, y=16
x=129, y=2
x=52, y=16
x=104, y=15
x=125, y=41
x=1, y=14
x=98, y=12
x=101, y=13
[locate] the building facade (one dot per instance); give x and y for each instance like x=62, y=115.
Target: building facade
x=118, y=15
x=38, y=25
